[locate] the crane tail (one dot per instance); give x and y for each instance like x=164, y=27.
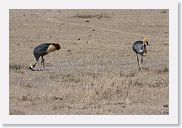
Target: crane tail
x=32, y=65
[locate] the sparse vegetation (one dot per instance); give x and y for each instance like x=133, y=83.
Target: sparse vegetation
x=99, y=77
x=17, y=112
x=16, y=68
x=164, y=11
x=53, y=76
x=69, y=78
x=163, y=70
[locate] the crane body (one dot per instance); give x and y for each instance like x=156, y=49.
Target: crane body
x=139, y=47
x=42, y=50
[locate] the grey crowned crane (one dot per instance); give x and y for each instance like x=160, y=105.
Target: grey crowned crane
x=139, y=47
x=42, y=50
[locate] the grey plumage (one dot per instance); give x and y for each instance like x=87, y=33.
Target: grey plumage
x=42, y=50
x=139, y=47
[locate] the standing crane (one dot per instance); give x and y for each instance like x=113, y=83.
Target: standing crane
x=139, y=47
x=42, y=50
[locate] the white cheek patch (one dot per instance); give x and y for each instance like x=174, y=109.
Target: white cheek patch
x=51, y=48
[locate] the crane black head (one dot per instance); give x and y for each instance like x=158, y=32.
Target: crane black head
x=57, y=46
x=145, y=42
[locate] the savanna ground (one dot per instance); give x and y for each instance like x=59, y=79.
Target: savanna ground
x=95, y=71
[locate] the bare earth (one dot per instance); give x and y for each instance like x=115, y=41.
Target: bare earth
x=95, y=71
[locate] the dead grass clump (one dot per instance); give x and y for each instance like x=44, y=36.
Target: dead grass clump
x=165, y=44
x=154, y=85
x=137, y=82
x=93, y=75
x=164, y=11
x=27, y=85
x=121, y=74
x=131, y=74
x=146, y=68
x=16, y=112
x=29, y=97
x=69, y=78
x=106, y=93
x=25, y=82
x=107, y=90
x=26, y=98
x=53, y=76
x=58, y=98
x=15, y=67
x=158, y=84
x=98, y=16
x=163, y=70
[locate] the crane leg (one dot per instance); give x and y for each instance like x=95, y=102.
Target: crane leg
x=42, y=62
x=141, y=58
x=138, y=62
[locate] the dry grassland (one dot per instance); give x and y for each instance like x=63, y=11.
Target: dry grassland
x=95, y=71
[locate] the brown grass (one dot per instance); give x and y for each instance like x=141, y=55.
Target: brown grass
x=95, y=71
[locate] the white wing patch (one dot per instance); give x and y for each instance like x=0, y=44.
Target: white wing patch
x=51, y=48
x=142, y=49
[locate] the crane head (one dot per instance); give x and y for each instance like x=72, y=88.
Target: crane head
x=146, y=42
x=57, y=46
